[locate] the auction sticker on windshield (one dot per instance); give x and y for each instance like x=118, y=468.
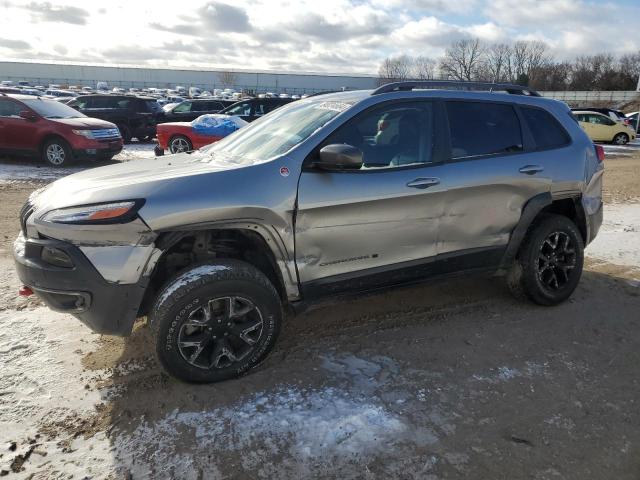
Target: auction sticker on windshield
x=335, y=106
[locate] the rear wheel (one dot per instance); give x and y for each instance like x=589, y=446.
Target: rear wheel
x=549, y=264
x=621, y=139
x=57, y=153
x=179, y=144
x=214, y=322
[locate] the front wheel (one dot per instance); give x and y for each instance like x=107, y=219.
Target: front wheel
x=215, y=321
x=621, y=139
x=549, y=263
x=57, y=153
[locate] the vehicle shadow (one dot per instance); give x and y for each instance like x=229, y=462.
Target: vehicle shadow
x=450, y=378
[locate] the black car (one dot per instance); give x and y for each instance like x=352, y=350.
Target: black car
x=254, y=108
x=192, y=109
x=134, y=116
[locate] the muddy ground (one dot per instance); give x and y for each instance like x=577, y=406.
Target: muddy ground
x=447, y=380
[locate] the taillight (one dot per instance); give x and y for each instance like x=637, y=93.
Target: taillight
x=600, y=152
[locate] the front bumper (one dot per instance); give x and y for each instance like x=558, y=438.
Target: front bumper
x=105, y=307
x=98, y=150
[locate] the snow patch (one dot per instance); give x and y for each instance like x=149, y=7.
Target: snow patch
x=304, y=426
x=33, y=171
x=42, y=381
x=618, y=241
x=189, y=276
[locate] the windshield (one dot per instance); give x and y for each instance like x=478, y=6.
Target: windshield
x=52, y=109
x=278, y=132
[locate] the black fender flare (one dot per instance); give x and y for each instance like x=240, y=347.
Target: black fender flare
x=530, y=211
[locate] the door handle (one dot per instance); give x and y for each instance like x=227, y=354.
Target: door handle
x=423, y=182
x=531, y=169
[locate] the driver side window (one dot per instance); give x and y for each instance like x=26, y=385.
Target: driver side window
x=394, y=135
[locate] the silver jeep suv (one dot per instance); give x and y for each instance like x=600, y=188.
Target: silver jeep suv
x=329, y=195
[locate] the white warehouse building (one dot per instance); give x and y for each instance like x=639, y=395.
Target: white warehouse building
x=126, y=76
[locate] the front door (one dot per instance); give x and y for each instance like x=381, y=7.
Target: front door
x=377, y=223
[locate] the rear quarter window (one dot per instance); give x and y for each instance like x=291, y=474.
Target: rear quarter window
x=546, y=130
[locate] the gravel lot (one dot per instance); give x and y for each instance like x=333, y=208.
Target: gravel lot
x=448, y=380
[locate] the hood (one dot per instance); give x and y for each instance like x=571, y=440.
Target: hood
x=83, y=122
x=173, y=124
x=130, y=180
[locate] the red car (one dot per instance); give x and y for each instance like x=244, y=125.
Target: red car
x=55, y=132
x=186, y=136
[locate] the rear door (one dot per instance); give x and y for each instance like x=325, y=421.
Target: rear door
x=379, y=224
x=606, y=128
x=492, y=172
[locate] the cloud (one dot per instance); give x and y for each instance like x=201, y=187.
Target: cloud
x=47, y=12
x=224, y=18
x=14, y=44
x=181, y=28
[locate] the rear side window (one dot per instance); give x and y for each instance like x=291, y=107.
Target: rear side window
x=9, y=108
x=151, y=106
x=546, y=130
x=480, y=128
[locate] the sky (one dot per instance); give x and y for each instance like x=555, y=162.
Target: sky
x=334, y=36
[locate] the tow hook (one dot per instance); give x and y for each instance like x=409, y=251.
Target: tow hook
x=25, y=291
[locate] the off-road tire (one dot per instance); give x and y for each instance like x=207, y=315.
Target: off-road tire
x=194, y=288
x=525, y=279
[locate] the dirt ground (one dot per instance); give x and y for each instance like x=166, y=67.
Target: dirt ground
x=447, y=380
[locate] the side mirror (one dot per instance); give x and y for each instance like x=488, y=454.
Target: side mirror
x=27, y=115
x=339, y=157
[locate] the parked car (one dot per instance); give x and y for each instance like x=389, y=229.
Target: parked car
x=303, y=204
x=134, y=116
x=253, y=108
x=601, y=128
x=633, y=120
x=55, y=132
x=9, y=90
x=178, y=137
x=63, y=94
x=191, y=109
x=615, y=115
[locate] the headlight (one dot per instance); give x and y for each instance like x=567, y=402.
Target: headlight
x=118, y=212
x=84, y=133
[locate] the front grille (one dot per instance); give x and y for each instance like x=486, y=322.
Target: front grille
x=106, y=133
x=25, y=212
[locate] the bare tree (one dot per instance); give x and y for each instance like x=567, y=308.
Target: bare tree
x=423, y=68
x=463, y=60
x=227, y=79
x=395, y=69
x=497, y=63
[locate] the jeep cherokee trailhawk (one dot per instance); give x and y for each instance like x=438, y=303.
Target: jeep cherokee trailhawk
x=329, y=195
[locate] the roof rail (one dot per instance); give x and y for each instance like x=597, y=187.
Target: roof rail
x=455, y=85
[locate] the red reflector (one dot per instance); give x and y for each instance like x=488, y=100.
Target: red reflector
x=600, y=152
x=25, y=291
